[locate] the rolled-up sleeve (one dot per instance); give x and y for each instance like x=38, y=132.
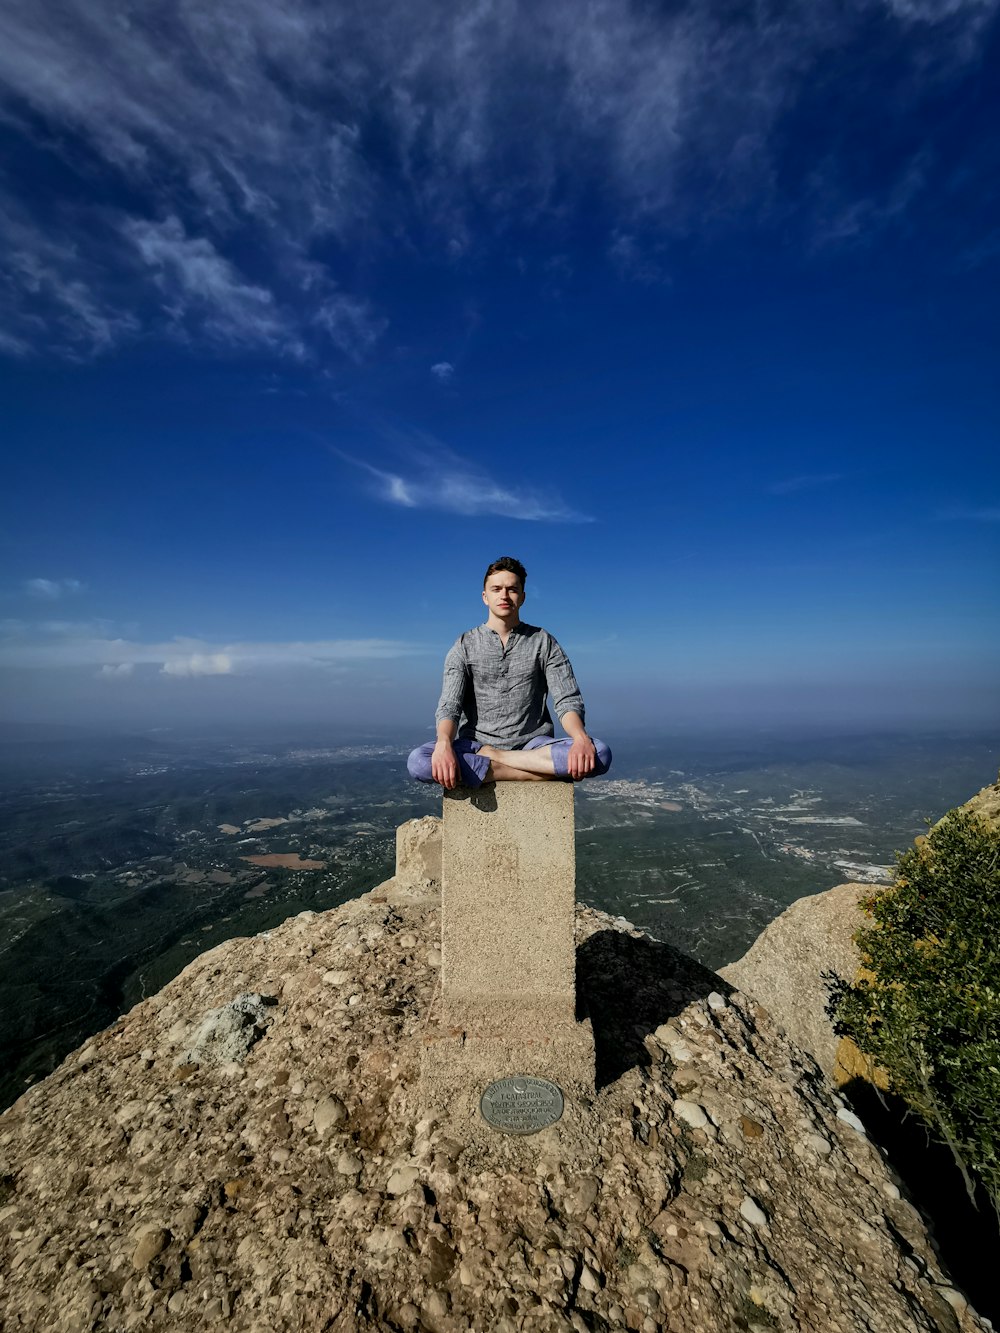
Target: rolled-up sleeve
x=456, y=671
x=564, y=693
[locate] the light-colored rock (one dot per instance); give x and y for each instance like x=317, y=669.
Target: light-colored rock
x=402, y=1179
x=783, y=967
x=849, y=1118
x=330, y=1112
x=589, y=1280
x=751, y=1211
x=150, y=1244
x=986, y=804
x=818, y=1144
x=349, y=1163
x=582, y=1196
x=226, y=1034
x=337, y=977
x=418, y=857
x=674, y=1044
x=691, y=1113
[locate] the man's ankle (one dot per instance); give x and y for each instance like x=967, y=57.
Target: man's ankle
x=501, y=772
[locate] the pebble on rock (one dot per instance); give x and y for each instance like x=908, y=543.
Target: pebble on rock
x=819, y=1145
x=589, y=1280
x=336, y=977
x=152, y=1242
x=849, y=1118
x=330, y=1111
x=751, y=1211
x=402, y=1179
x=691, y=1113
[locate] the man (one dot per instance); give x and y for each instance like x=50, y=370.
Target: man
x=493, y=724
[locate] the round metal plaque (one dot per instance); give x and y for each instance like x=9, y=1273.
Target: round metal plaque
x=521, y=1104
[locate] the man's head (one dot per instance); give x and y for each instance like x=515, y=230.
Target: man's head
x=509, y=565
x=503, y=588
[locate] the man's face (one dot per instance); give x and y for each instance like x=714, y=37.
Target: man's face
x=503, y=594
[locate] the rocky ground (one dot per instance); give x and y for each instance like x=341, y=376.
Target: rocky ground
x=247, y=1150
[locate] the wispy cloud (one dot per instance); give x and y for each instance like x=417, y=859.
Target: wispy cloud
x=70, y=645
x=199, y=284
x=811, y=481
x=428, y=475
x=352, y=323
x=118, y=671
x=443, y=371
x=969, y=514
x=633, y=259
x=54, y=291
x=235, y=136
x=842, y=216
x=52, y=589
x=199, y=664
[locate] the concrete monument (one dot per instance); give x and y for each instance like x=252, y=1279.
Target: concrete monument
x=507, y=1005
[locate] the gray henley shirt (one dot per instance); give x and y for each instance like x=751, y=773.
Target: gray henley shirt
x=497, y=694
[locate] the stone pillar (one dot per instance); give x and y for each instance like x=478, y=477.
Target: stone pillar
x=508, y=899
x=508, y=983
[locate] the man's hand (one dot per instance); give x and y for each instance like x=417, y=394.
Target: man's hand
x=581, y=757
x=444, y=764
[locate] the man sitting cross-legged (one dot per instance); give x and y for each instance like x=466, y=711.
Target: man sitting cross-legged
x=493, y=724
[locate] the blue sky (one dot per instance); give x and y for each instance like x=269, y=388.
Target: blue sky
x=308, y=314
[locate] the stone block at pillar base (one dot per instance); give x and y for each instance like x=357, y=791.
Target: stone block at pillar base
x=457, y=1065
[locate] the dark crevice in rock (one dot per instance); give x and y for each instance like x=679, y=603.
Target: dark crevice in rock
x=965, y=1232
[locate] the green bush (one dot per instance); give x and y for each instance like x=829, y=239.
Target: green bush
x=926, y=1005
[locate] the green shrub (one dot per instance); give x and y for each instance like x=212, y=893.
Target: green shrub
x=926, y=1006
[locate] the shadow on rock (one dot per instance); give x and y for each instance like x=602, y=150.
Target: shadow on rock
x=627, y=987
x=965, y=1231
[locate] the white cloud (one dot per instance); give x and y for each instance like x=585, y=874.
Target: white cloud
x=939, y=11
x=434, y=477
x=443, y=371
x=69, y=644
x=351, y=323
x=199, y=664
x=198, y=281
x=51, y=291
x=115, y=671
x=52, y=589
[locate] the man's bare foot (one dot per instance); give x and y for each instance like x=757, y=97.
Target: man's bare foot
x=522, y=765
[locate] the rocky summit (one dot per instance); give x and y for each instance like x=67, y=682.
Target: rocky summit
x=248, y=1150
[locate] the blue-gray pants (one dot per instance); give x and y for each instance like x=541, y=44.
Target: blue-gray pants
x=472, y=765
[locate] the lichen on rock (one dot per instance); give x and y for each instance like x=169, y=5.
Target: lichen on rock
x=225, y=1035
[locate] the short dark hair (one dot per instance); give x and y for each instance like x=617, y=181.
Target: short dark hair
x=510, y=566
